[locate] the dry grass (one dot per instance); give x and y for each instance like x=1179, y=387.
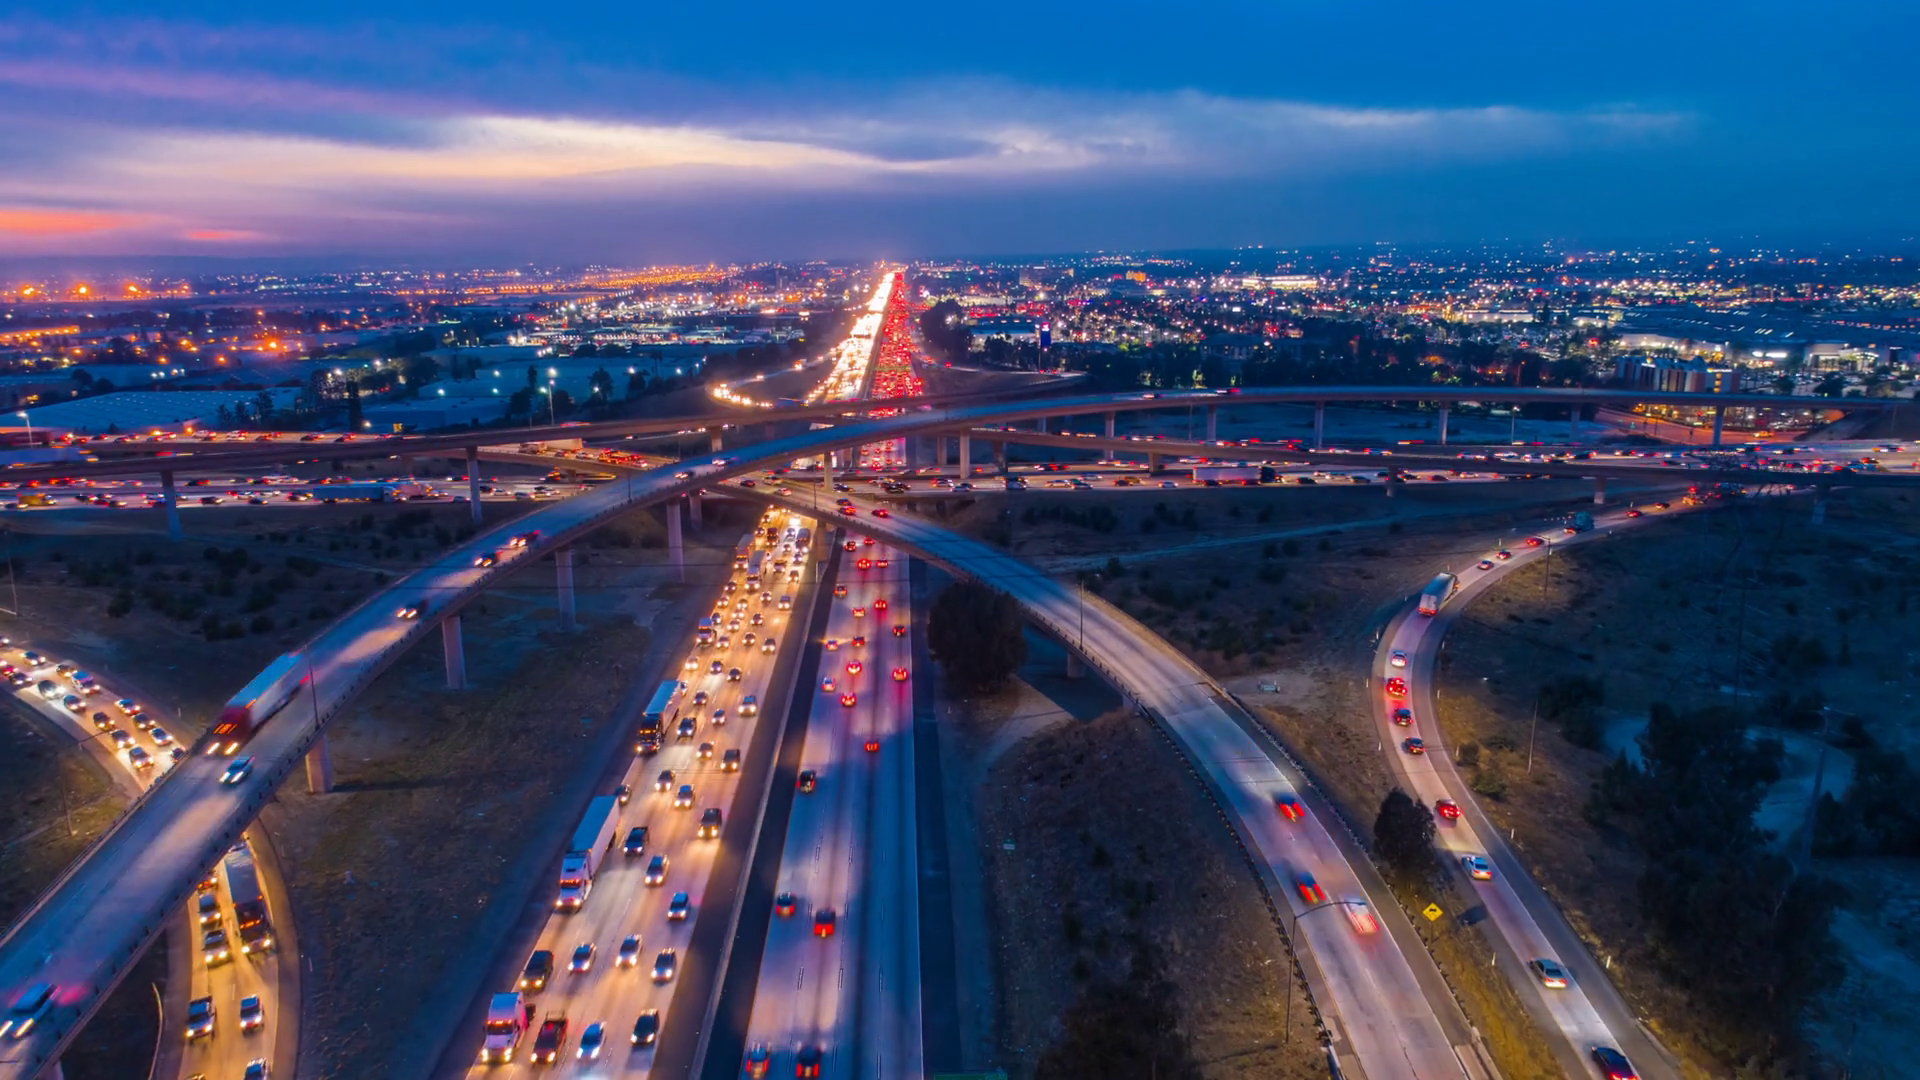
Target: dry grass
x=1114, y=842
x=1660, y=614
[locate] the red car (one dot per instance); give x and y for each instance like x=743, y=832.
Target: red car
x=784, y=904
x=1448, y=809
x=859, y=613
x=1634, y=514
x=853, y=546
x=849, y=511
x=881, y=511
x=854, y=667
x=758, y=1059
x=806, y=1064
x=899, y=674
x=1503, y=554
x=883, y=563
x=848, y=699
x=868, y=541
x=1289, y=807
x=1397, y=687
x=823, y=922
x=899, y=630
x=1534, y=541
x=859, y=641
x=873, y=746
x=1310, y=890
x=864, y=563
x=880, y=604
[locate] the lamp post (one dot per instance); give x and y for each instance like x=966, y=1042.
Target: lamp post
x=22, y=414
x=1293, y=923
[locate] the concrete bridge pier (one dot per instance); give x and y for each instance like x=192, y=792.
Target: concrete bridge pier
x=1573, y=423
x=1076, y=668
x=451, y=647
x=319, y=767
x=1392, y=480
x=473, y=482
x=1154, y=468
x=1445, y=414
x=1111, y=418
x=1719, y=422
x=1213, y=423
x=1319, y=425
x=693, y=508
x=1599, y=491
x=675, y=546
x=563, y=565
x=714, y=441
x=171, y=495
x=407, y=466
x=1000, y=458
x=966, y=456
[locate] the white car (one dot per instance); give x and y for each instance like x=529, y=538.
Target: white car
x=1477, y=866
x=1398, y=659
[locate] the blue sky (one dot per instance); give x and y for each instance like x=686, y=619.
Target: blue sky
x=644, y=132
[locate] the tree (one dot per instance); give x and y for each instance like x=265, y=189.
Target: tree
x=1125, y=1030
x=602, y=383
x=1831, y=386
x=636, y=384
x=354, y=420
x=977, y=634
x=1403, y=835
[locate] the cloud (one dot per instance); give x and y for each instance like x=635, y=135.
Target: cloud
x=43, y=222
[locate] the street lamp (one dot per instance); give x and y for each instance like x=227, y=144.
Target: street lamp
x=22, y=414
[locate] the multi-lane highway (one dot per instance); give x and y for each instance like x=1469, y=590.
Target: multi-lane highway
x=1379, y=1010
x=640, y=915
x=1586, y=1009
x=839, y=984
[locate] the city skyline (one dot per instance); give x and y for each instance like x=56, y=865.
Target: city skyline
x=349, y=131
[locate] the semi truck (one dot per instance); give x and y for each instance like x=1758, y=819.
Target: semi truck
x=249, y=903
x=1230, y=474
x=591, y=844
x=654, y=719
x=1438, y=592
x=507, y=1023
x=1580, y=522
x=257, y=702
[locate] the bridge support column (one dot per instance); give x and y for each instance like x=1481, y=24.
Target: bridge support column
x=1392, y=480
x=1000, y=458
x=693, y=509
x=407, y=465
x=456, y=654
x=676, y=548
x=563, y=566
x=473, y=482
x=319, y=767
x=1076, y=668
x=966, y=456
x=713, y=438
x=171, y=496
x=1444, y=416
x=1111, y=418
x=1719, y=422
x=1154, y=467
x=1573, y=424
x=1319, y=425
x=1599, y=491
x=1213, y=423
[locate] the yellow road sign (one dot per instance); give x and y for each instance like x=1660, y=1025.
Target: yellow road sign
x=1432, y=912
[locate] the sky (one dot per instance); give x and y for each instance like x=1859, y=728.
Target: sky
x=489, y=132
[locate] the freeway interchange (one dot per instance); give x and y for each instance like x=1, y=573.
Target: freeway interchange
x=1387, y=1013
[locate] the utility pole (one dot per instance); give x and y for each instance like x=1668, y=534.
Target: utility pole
x=1533, y=725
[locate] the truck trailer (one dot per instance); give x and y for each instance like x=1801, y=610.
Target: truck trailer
x=592, y=842
x=1438, y=592
x=249, y=903
x=654, y=719
x=1213, y=475
x=257, y=702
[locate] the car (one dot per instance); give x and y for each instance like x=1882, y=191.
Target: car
x=623, y=793
x=883, y=563
x=252, y=1014
x=657, y=870
x=1397, y=687
x=808, y=782
x=716, y=668
x=859, y=641
x=730, y=760
x=679, y=907
x=823, y=922
x=839, y=590
x=854, y=667
x=1397, y=659
x=1413, y=746
x=139, y=758
x=590, y=1041
x=806, y=1063
x=1635, y=513
x=1614, y=1064
x=237, y=770
x=159, y=735
x=1477, y=866
x=646, y=1029
x=759, y=619
x=127, y=706
x=864, y=563
x=878, y=605
x=1535, y=541
x=749, y=706
x=533, y=977
x=663, y=782
x=705, y=752
x=784, y=905
x=758, y=1058
x=685, y=730
x=710, y=823
x=1549, y=972
x=827, y=685
x=1310, y=890
x=411, y=611
x=486, y=558
x=665, y=965
x=849, y=699
x=209, y=905
x=200, y=1018
x=582, y=961
x=1447, y=808
x=1403, y=716
x=899, y=630
x=256, y=1070
x=1485, y=564
x=880, y=512
x=27, y=1009
x=178, y=752
x=629, y=953
x=122, y=740
x=1289, y=807
x=1360, y=914
x=859, y=613
x=1663, y=505
x=1503, y=554
x=214, y=948
x=852, y=546
x=872, y=746
x=693, y=663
